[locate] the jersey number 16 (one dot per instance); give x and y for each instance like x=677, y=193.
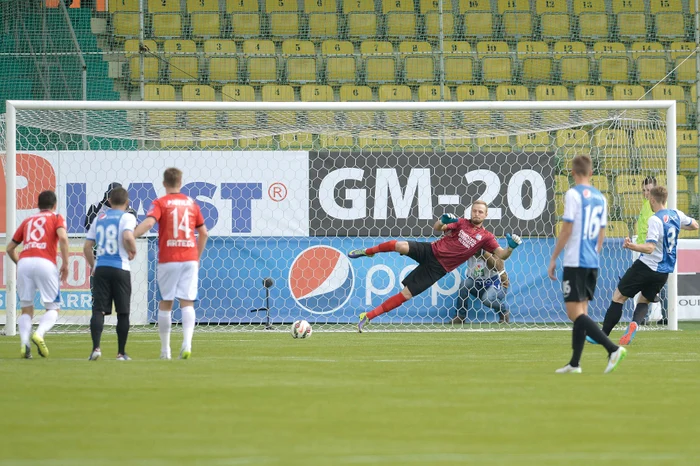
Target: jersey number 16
x=592, y=221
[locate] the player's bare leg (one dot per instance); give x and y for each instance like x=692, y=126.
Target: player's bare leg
x=165, y=323
x=25, y=329
x=391, y=303
x=188, y=319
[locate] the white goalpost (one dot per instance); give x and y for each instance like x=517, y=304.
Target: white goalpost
x=287, y=188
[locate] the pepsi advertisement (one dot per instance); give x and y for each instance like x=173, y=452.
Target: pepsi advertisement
x=315, y=280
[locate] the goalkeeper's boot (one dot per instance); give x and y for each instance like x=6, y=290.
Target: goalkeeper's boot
x=364, y=320
x=25, y=352
x=615, y=359
x=629, y=334
x=40, y=345
x=185, y=354
x=354, y=254
x=569, y=369
x=123, y=357
x=591, y=340
x=95, y=355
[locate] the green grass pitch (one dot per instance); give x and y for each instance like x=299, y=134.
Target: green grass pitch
x=250, y=398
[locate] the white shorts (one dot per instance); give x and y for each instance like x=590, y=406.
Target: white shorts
x=37, y=273
x=178, y=280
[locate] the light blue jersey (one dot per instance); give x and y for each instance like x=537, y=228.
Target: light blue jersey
x=107, y=231
x=587, y=209
x=664, y=227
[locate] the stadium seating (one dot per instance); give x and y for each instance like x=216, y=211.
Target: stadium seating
x=340, y=64
x=516, y=19
x=459, y=62
x=322, y=18
x=380, y=64
x=361, y=19
x=477, y=18
x=244, y=17
x=536, y=64
x=553, y=93
x=592, y=19
x=428, y=93
x=554, y=19
x=283, y=18
x=239, y=93
x=394, y=93
x=431, y=19
x=301, y=64
x=496, y=64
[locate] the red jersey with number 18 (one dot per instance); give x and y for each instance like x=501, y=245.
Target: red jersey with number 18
x=39, y=235
x=178, y=216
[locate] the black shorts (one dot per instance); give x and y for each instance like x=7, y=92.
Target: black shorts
x=429, y=270
x=110, y=284
x=578, y=284
x=640, y=278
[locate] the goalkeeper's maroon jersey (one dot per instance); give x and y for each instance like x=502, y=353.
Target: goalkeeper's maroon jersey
x=462, y=240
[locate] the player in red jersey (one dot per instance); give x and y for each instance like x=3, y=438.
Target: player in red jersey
x=179, y=251
x=36, y=270
x=462, y=239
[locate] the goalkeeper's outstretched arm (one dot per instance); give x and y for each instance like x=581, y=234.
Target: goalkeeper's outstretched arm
x=513, y=242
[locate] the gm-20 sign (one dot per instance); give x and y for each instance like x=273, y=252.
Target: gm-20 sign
x=401, y=194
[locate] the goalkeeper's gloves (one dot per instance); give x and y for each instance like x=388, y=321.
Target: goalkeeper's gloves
x=448, y=218
x=513, y=240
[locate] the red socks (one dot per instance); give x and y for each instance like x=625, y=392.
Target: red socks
x=389, y=246
x=391, y=303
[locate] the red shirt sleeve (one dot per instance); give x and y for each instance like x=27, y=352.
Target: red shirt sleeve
x=456, y=225
x=60, y=222
x=199, y=219
x=491, y=244
x=18, y=237
x=155, y=210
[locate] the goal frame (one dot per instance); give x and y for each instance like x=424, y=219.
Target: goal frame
x=12, y=106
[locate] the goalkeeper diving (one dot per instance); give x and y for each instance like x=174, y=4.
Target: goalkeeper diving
x=461, y=240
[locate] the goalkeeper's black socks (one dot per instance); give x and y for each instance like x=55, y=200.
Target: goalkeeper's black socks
x=640, y=312
x=593, y=331
x=612, y=317
x=97, y=323
x=122, y=331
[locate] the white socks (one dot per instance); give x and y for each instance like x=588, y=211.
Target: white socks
x=188, y=318
x=25, y=328
x=165, y=322
x=46, y=322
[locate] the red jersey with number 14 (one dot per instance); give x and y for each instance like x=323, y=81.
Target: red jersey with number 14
x=178, y=216
x=39, y=233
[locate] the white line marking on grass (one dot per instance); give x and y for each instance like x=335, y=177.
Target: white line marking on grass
x=514, y=458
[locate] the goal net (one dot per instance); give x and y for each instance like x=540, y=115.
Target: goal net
x=287, y=189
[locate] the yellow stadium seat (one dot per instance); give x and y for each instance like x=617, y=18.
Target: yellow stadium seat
x=516, y=19
x=281, y=6
x=300, y=61
x=418, y=62
x=125, y=24
x=239, y=93
x=631, y=205
x=167, y=25
x=380, y=65
x=279, y=93
x=613, y=70
x=477, y=18
x=340, y=69
x=219, y=47
x=125, y=5
x=150, y=69
x=630, y=92
x=670, y=26
x=680, y=49
x=131, y=46
x=559, y=205
x=340, y=140
x=650, y=139
x=216, y=139
x=488, y=143
x=394, y=93
x=358, y=6
x=534, y=142
x=496, y=65
x=159, y=6
x=242, y=6
x=567, y=48
x=179, y=46
x=414, y=139
x=375, y=139
x=163, y=93
x=176, y=139
x=283, y=24
x=601, y=183
x=320, y=6
x=431, y=93
x=613, y=149
x=323, y=25
x=245, y=25
x=296, y=141
x=205, y=25
x=298, y=47
x=223, y=69
x=262, y=62
x=317, y=93
x=467, y=92
x=631, y=20
x=668, y=92
x=507, y=93
x=350, y=93
x=649, y=49
x=587, y=92
x=431, y=19
x=199, y=93
x=535, y=61
x=687, y=144
x=183, y=68
x=616, y=229
x=550, y=93
x=592, y=18
x=561, y=184
x=456, y=140
x=198, y=6
x=361, y=19
x=685, y=70
x=399, y=18
x=574, y=64
x=609, y=49
x=576, y=138
x=554, y=19
x=407, y=48
x=651, y=70
x=666, y=6
x=458, y=61
x=250, y=140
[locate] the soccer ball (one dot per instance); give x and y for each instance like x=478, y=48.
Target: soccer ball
x=301, y=329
